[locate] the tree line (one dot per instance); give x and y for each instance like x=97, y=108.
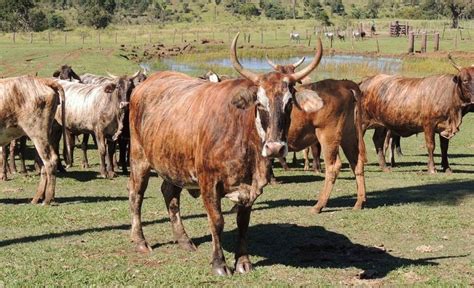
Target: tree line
x=39, y=15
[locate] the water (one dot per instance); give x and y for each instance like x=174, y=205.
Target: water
x=380, y=64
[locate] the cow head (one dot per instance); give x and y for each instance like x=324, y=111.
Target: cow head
x=65, y=72
x=138, y=77
x=465, y=80
x=274, y=95
x=289, y=69
x=124, y=88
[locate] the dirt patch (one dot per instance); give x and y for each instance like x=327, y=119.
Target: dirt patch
x=157, y=50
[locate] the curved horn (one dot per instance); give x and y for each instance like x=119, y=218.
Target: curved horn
x=299, y=62
x=235, y=62
x=274, y=66
x=112, y=75
x=308, y=69
x=135, y=75
x=454, y=63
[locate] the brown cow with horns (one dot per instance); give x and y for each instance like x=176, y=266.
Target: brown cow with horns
x=213, y=139
x=411, y=105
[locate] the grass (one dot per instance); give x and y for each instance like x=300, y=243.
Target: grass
x=84, y=238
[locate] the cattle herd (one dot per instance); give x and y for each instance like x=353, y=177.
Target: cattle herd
x=215, y=136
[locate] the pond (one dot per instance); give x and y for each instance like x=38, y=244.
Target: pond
x=337, y=66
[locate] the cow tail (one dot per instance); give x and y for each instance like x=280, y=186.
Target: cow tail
x=62, y=101
x=358, y=123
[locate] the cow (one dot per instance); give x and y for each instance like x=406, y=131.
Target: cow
x=407, y=106
x=341, y=36
x=65, y=72
x=329, y=35
x=27, y=107
x=358, y=35
x=338, y=123
x=214, y=139
x=295, y=37
x=124, y=138
x=98, y=109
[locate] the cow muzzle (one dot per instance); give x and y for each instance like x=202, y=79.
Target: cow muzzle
x=123, y=104
x=274, y=149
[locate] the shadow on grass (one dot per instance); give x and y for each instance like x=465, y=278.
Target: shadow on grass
x=316, y=247
x=68, y=200
x=448, y=193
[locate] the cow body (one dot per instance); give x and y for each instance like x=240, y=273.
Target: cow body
x=411, y=105
x=27, y=107
x=95, y=109
x=336, y=124
x=214, y=139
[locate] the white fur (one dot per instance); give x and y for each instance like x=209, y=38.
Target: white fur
x=258, y=124
x=262, y=98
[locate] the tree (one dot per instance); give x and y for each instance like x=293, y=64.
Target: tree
x=14, y=14
x=456, y=9
x=38, y=21
x=248, y=10
x=56, y=22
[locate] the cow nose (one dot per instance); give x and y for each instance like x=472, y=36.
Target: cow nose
x=123, y=104
x=274, y=149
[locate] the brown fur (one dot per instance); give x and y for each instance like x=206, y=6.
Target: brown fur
x=27, y=107
x=411, y=105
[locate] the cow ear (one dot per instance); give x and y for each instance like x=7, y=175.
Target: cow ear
x=245, y=98
x=456, y=79
x=110, y=88
x=308, y=100
x=56, y=74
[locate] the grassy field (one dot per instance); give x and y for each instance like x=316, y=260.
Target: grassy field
x=416, y=229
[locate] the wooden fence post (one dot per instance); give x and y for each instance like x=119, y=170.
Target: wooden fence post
x=182, y=37
x=115, y=37
x=149, y=37
x=456, y=41
x=65, y=38
x=49, y=37
x=31, y=37
x=98, y=37
x=411, y=42
x=309, y=41
x=377, y=41
x=276, y=37
x=174, y=35
x=423, y=42
x=261, y=36
x=14, y=37
x=83, y=36
x=436, y=40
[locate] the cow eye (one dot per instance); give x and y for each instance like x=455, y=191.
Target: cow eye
x=465, y=81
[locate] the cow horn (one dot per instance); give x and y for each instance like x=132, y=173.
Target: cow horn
x=454, y=63
x=308, y=69
x=270, y=62
x=236, y=64
x=112, y=75
x=135, y=75
x=299, y=62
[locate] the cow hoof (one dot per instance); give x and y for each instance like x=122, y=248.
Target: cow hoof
x=448, y=171
x=317, y=171
x=111, y=175
x=387, y=169
x=243, y=266
x=306, y=168
x=316, y=209
x=143, y=248
x=35, y=200
x=3, y=178
x=358, y=206
x=221, y=270
x=85, y=166
x=187, y=245
x=274, y=181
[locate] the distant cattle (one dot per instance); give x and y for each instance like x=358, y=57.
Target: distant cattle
x=358, y=35
x=65, y=72
x=98, y=109
x=213, y=139
x=407, y=106
x=27, y=107
x=295, y=37
x=329, y=35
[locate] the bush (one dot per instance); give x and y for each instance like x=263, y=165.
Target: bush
x=56, y=22
x=96, y=17
x=38, y=21
x=248, y=10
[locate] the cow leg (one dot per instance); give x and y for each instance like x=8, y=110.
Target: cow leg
x=330, y=147
x=212, y=202
x=172, y=194
x=21, y=153
x=242, y=260
x=137, y=183
x=379, y=139
x=47, y=184
x=283, y=163
x=102, y=147
x=430, y=146
x=444, y=144
x=3, y=163
x=316, y=152
x=294, y=160
x=110, y=159
x=11, y=159
x=306, y=159
x=356, y=161
x=56, y=138
x=123, y=151
x=68, y=157
x=85, y=161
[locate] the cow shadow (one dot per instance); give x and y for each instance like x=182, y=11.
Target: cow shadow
x=81, y=176
x=447, y=193
x=316, y=247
